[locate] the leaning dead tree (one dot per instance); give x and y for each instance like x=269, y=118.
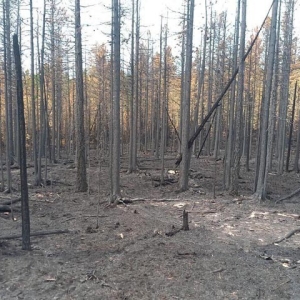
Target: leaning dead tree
x=219, y=99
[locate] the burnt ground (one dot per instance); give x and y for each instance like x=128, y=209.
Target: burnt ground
x=135, y=251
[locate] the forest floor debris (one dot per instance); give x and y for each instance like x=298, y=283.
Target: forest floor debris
x=124, y=251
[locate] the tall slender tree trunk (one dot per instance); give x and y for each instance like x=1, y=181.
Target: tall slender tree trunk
x=81, y=178
x=22, y=149
x=201, y=75
x=273, y=106
x=284, y=92
x=260, y=189
x=164, y=110
x=33, y=114
x=131, y=138
x=291, y=130
x=160, y=108
x=116, y=101
x=232, y=104
x=42, y=118
x=53, y=84
x=9, y=81
x=239, y=106
x=136, y=87
x=296, y=162
x=183, y=53
x=146, y=138
x=186, y=152
x=7, y=93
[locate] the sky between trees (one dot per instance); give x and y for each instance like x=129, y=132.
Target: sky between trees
x=96, y=18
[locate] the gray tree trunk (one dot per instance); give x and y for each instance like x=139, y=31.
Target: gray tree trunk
x=81, y=178
x=186, y=152
x=260, y=189
x=164, y=110
x=284, y=92
x=182, y=91
x=296, y=162
x=234, y=187
x=201, y=75
x=8, y=104
x=33, y=114
x=231, y=128
x=291, y=130
x=22, y=149
x=42, y=118
x=53, y=84
x=116, y=101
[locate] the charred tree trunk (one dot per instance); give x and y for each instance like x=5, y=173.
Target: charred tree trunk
x=22, y=149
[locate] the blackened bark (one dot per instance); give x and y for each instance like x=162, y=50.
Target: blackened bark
x=22, y=149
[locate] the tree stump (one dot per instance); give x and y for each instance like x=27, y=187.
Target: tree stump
x=185, y=224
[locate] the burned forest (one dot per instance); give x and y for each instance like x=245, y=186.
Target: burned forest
x=149, y=149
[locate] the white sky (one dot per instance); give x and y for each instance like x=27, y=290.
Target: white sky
x=95, y=14
x=151, y=10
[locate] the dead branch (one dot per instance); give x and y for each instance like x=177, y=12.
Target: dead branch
x=205, y=212
x=172, y=123
x=67, y=220
x=295, y=216
x=207, y=134
x=94, y=216
x=294, y=193
x=41, y=233
x=218, y=270
x=281, y=284
x=150, y=159
x=173, y=232
x=166, y=178
x=145, y=168
x=167, y=182
x=61, y=182
x=186, y=253
x=290, y=234
x=131, y=201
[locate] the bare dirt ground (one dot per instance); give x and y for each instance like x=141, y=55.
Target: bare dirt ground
x=135, y=252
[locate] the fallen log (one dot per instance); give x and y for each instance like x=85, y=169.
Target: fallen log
x=5, y=208
x=294, y=193
x=9, y=202
x=41, y=233
x=131, y=201
x=204, y=212
x=60, y=182
x=173, y=232
x=290, y=234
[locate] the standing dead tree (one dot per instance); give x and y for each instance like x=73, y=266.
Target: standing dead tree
x=22, y=149
x=115, y=167
x=81, y=181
